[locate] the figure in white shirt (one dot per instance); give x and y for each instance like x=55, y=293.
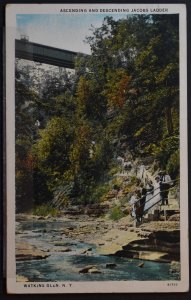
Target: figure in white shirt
x=165, y=184
x=132, y=202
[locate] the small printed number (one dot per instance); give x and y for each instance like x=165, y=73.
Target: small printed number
x=172, y=284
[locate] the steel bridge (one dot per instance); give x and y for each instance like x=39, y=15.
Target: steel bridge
x=44, y=54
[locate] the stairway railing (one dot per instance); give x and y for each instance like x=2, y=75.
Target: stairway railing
x=143, y=205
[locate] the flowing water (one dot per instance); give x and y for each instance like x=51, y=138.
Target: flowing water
x=65, y=266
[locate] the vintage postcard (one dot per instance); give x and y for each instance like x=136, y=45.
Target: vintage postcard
x=96, y=122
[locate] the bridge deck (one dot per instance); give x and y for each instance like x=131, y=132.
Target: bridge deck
x=44, y=54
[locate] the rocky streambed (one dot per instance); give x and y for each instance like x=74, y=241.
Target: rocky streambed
x=157, y=245
x=88, y=248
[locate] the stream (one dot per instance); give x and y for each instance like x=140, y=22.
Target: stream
x=64, y=265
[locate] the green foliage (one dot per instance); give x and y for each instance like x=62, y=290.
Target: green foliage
x=91, y=104
x=116, y=183
x=134, y=180
x=45, y=210
x=99, y=193
x=116, y=214
x=25, y=133
x=125, y=200
x=167, y=153
x=173, y=165
x=24, y=190
x=114, y=170
x=67, y=126
x=52, y=148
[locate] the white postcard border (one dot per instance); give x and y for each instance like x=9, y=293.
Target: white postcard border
x=92, y=286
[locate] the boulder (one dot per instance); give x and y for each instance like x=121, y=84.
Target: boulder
x=86, y=269
x=175, y=267
x=20, y=278
x=25, y=251
x=25, y=255
x=70, y=228
x=175, y=217
x=153, y=245
x=141, y=265
x=94, y=270
x=66, y=250
x=157, y=246
x=59, y=244
x=87, y=250
x=144, y=234
x=41, y=218
x=126, y=210
x=111, y=265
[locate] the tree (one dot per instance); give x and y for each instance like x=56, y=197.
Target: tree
x=127, y=89
x=25, y=134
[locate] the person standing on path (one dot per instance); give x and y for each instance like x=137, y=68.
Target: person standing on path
x=165, y=184
x=132, y=202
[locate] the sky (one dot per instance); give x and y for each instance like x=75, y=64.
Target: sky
x=60, y=31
